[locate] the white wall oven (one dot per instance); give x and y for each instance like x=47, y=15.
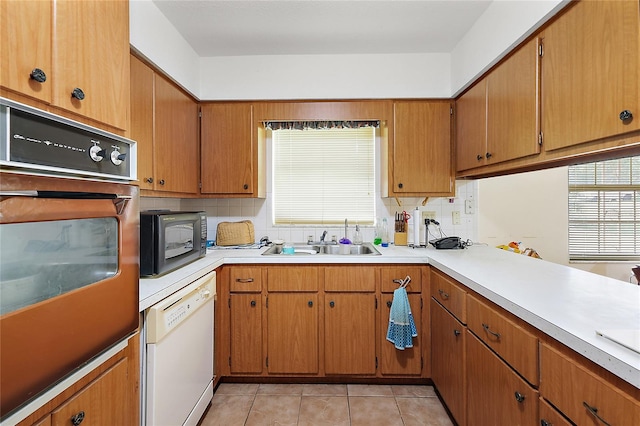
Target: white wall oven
x=69, y=243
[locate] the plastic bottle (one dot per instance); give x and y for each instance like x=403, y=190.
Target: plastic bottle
x=377, y=240
x=385, y=233
x=357, y=236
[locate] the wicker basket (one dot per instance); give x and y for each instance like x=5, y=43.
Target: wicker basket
x=235, y=233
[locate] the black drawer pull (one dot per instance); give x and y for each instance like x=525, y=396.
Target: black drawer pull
x=77, y=93
x=253, y=303
x=626, y=115
x=443, y=294
x=38, y=75
x=519, y=396
x=244, y=280
x=594, y=412
x=76, y=419
x=493, y=333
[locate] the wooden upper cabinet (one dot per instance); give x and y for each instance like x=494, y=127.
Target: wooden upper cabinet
x=471, y=127
x=92, y=54
x=498, y=118
x=176, y=139
x=591, y=73
x=513, y=105
x=422, y=149
x=228, y=152
x=25, y=27
x=141, y=129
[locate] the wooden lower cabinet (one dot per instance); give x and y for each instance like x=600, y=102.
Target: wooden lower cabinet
x=245, y=346
x=103, y=402
x=107, y=395
x=448, y=368
x=349, y=328
x=496, y=395
x=549, y=416
x=292, y=330
x=395, y=362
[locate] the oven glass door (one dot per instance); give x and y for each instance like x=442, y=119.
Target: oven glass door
x=69, y=278
x=42, y=260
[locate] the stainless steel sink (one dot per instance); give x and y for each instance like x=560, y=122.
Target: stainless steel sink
x=366, y=249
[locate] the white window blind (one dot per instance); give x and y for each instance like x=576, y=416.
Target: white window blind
x=323, y=176
x=604, y=210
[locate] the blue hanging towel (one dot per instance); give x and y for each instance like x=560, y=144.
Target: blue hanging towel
x=402, y=328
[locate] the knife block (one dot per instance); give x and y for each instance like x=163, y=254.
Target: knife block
x=400, y=239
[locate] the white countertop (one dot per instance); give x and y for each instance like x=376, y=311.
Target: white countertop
x=566, y=303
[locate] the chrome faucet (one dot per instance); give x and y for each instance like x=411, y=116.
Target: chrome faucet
x=324, y=234
x=346, y=229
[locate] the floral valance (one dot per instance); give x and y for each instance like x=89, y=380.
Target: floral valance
x=319, y=125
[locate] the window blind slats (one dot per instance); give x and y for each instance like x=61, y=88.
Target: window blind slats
x=604, y=210
x=322, y=176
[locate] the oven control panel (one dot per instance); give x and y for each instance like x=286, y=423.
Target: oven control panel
x=43, y=142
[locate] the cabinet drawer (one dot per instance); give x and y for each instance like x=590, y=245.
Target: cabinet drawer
x=350, y=278
x=515, y=345
x=292, y=278
x=549, y=416
x=449, y=294
x=245, y=279
x=573, y=389
x=390, y=276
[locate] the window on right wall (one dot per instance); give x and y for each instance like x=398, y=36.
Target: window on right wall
x=604, y=210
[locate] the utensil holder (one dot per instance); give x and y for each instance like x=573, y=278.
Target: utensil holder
x=400, y=239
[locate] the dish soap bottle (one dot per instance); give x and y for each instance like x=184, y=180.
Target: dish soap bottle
x=357, y=237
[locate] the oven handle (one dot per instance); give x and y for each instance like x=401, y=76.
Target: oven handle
x=120, y=201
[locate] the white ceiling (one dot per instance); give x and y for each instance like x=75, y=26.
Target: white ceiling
x=267, y=27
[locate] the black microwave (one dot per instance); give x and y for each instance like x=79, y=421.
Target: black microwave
x=169, y=240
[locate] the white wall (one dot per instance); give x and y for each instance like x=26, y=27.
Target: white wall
x=326, y=76
x=532, y=208
x=503, y=25
x=151, y=34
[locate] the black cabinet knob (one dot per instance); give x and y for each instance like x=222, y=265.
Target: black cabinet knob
x=626, y=115
x=400, y=185
x=38, y=75
x=77, y=93
x=456, y=333
x=332, y=304
x=488, y=155
x=76, y=419
x=389, y=304
x=519, y=396
x=479, y=157
x=543, y=422
x=253, y=303
x=161, y=181
x=245, y=186
x=149, y=180
x=310, y=303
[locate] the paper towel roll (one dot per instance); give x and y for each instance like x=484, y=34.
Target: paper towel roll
x=416, y=227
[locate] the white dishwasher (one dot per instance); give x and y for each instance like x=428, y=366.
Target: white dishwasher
x=179, y=355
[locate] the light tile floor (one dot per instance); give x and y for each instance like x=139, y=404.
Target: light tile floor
x=319, y=404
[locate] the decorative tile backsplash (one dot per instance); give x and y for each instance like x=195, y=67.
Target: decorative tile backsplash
x=259, y=211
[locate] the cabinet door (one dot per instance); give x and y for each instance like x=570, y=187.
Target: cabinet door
x=395, y=362
x=292, y=322
x=103, y=402
x=246, y=333
x=512, y=106
x=227, y=149
x=447, y=360
x=25, y=45
x=176, y=139
x=471, y=127
x=422, y=148
x=590, y=73
x=496, y=395
x=349, y=329
x=91, y=53
x=142, y=120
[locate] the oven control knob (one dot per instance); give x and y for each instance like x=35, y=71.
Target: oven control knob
x=96, y=153
x=117, y=158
